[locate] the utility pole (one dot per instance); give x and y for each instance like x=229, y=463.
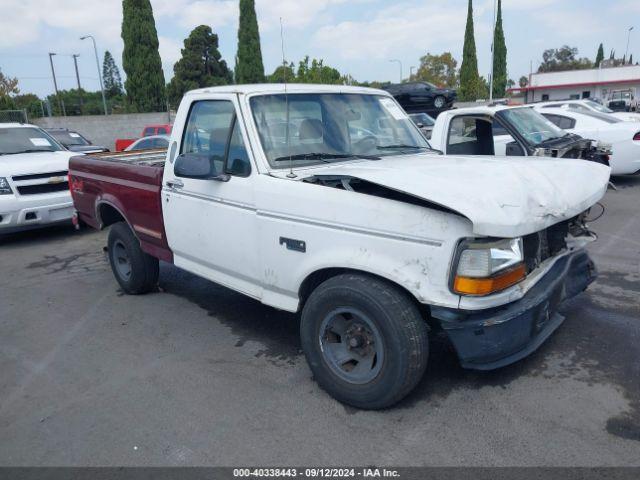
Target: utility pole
x=628, y=38
x=492, y=53
x=411, y=73
x=75, y=63
x=400, y=64
x=95, y=50
x=55, y=84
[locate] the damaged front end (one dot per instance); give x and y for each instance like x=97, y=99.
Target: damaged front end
x=491, y=338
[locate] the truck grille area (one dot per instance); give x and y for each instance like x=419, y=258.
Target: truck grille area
x=43, y=188
x=544, y=244
x=41, y=183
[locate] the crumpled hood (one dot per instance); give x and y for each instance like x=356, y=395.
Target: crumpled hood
x=39, y=162
x=501, y=196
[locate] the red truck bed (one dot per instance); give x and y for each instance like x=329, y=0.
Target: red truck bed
x=108, y=188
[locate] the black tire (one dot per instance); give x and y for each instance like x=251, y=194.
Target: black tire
x=439, y=99
x=143, y=269
x=397, y=323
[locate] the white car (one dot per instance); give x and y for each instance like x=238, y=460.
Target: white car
x=587, y=105
x=148, y=143
x=34, y=189
x=624, y=137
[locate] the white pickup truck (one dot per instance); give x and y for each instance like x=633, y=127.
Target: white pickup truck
x=511, y=131
x=34, y=190
x=327, y=200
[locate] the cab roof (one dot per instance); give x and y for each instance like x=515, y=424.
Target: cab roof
x=290, y=88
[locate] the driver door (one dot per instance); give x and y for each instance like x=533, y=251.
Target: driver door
x=211, y=223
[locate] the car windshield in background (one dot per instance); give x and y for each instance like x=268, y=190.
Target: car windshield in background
x=26, y=140
x=330, y=127
x=531, y=125
x=423, y=118
x=597, y=107
x=69, y=138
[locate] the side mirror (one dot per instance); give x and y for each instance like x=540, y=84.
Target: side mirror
x=197, y=166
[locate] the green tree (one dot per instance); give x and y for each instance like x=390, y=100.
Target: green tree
x=469, y=78
x=201, y=65
x=284, y=73
x=111, y=76
x=563, y=58
x=523, y=82
x=317, y=72
x=440, y=70
x=499, y=57
x=249, y=67
x=599, y=56
x=631, y=59
x=8, y=85
x=140, y=58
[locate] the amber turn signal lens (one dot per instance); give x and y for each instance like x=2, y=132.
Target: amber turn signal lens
x=485, y=286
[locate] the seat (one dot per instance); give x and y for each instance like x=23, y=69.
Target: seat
x=310, y=129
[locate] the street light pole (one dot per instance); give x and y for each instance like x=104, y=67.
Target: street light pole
x=55, y=84
x=400, y=64
x=95, y=50
x=411, y=73
x=75, y=63
x=628, y=38
x=492, y=52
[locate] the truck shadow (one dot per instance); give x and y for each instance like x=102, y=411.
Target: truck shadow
x=592, y=344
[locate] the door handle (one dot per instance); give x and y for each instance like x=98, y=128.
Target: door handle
x=174, y=184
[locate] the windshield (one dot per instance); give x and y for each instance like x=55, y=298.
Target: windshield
x=311, y=128
x=69, y=138
x=531, y=125
x=423, y=118
x=25, y=140
x=597, y=107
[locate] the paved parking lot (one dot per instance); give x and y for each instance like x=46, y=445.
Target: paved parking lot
x=199, y=375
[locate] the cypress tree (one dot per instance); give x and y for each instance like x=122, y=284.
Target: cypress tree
x=499, y=57
x=599, y=56
x=469, y=78
x=631, y=59
x=111, y=76
x=249, y=67
x=201, y=65
x=140, y=57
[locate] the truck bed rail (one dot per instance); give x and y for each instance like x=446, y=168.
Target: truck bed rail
x=152, y=157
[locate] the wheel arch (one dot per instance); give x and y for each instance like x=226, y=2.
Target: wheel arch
x=314, y=279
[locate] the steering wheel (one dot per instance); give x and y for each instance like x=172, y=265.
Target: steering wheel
x=366, y=144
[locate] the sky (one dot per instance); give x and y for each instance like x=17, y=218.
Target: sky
x=358, y=37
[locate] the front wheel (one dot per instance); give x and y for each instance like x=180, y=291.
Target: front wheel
x=364, y=339
x=439, y=102
x=136, y=271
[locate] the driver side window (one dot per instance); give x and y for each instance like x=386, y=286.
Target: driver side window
x=212, y=131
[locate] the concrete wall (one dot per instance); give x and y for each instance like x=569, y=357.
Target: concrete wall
x=104, y=129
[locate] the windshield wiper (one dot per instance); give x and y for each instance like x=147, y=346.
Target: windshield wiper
x=323, y=156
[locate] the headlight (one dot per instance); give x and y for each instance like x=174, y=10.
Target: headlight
x=487, y=267
x=5, y=189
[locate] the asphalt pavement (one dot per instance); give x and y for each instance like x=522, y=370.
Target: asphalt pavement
x=196, y=374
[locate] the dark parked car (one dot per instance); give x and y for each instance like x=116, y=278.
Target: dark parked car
x=424, y=122
x=422, y=96
x=75, y=142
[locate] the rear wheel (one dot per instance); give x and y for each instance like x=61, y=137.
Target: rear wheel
x=439, y=102
x=135, y=271
x=364, y=339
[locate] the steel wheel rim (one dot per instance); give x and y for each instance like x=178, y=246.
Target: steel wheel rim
x=439, y=102
x=351, y=345
x=121, y=260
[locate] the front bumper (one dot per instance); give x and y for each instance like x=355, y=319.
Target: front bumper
x=23, y=213
x=493, y=338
